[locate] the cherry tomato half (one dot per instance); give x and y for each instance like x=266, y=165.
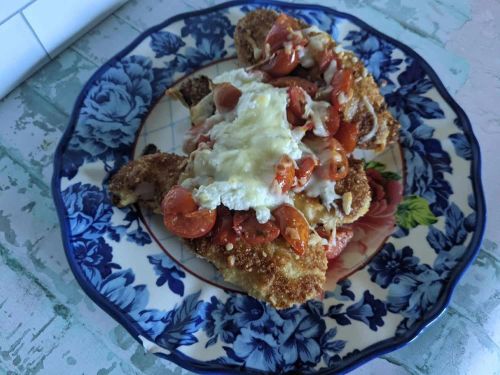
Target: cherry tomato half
x=281, y=63
x=305, y=169
x=309, y=87
x=296, y=101
x=282, y=31
x=246, y=225
x=325, y=58
x=333, y=120
x=224, y=233
x=182, y=216
x=342, y=237
x=333, y=161
x=226, y=97
x=293, y=227
x=341, y=82
x=285, y=173
x=347, y=135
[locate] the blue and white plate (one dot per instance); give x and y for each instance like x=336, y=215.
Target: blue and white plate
x=175, y=304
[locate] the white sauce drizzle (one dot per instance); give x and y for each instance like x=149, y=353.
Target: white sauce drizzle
x=374, y=128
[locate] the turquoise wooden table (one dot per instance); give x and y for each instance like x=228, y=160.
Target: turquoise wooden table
x=49, y=326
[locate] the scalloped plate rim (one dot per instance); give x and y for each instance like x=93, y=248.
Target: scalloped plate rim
x=372, y=351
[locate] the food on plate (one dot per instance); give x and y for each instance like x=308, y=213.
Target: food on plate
x=269, y=185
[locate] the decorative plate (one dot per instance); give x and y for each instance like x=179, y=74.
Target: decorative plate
x=421, y=233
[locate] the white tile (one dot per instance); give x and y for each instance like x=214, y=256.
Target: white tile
x=20, y=52
x=58, y=23
x=10, y=7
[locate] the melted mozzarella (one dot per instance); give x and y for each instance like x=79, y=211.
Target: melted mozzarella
x=239, y=170
x=324, y=189
x=317, y=111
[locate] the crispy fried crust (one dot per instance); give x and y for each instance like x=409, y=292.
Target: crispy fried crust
x=147, y=180
x=356, y=183
x=249, y=37
x=355, y=109
x=270, y=272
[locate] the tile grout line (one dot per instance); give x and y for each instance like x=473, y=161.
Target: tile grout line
x=35, y=34
x=140, y=31
x=82, y=55
x=16, y=12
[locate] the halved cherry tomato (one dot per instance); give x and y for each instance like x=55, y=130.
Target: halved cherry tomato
x=332, y=122
x=246, y=225
x=285, y=173
x=293, y=119
x=306, y=168
x=281, y=63
x=224, y=233
x=293, y=227
x=226, y=97
x=333, y=161
x=182, y=216
x=341, y=82
x=282, y=31
x=324, y=59
x=310, y=87
x=347, y=135
x=342, y=237
x=296, y=100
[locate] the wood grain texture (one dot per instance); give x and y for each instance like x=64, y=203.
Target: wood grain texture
x=48, y=325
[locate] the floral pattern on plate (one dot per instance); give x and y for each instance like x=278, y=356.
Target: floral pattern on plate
x=385, y=303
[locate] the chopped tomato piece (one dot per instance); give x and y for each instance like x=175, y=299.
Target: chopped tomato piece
x=347, y=135
x=183, y=217
x=341, y=82
x=224, y=233
x=285, y=173
x=281, y=63
x=305, y=169
x=226, y=97
x=325, y=58
x=282, y=31
x=246, y=225
x=333, y=120
x=333, y=161
x=293, y=227
x=342, y=237
x=296, y=101
x=293, y=119
x=310, y=87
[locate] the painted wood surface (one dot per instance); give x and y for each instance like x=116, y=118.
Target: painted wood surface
x=49, y=326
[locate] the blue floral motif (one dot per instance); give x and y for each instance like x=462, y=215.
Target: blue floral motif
x=413, y=294
x=206, y=51
x=408, y=98
x=449, y=245
x=111, y=114
x=164, y=43
x=389, y=263
x=182, y=322
x=95, y=258
x=208, y=26
x=461, y=143
x=168, y=272
x=376, y=54
x=368, y=310
x=257, y=350
x=341, y=292
x=426, y=162
x=89, y=210
x=118, y=289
